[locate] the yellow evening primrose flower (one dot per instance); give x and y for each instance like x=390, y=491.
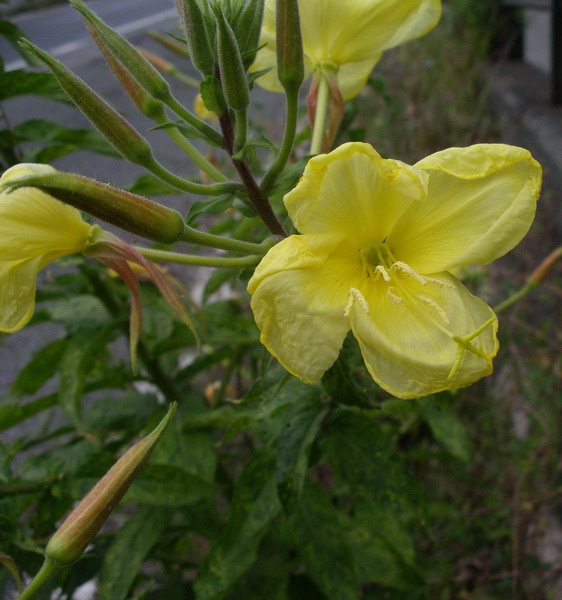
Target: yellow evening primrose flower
x=348, y=36
x=35, y=229
x=378, y=241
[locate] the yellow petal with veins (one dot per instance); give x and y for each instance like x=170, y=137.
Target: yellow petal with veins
x=299, y=293
x=406, y=330
x=481, y=202
x=355, y=193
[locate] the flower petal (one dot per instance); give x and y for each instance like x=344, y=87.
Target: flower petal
x=354, y=193
x=17, y=293
x=481, y=202
x=299, y=293
x=33, y=223
x=356, y=30
x=405, y=335
x=352, y=77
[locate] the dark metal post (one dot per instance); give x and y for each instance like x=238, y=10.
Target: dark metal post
x=556, y=74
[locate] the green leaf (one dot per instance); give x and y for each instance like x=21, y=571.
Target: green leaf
x=21, y=83
x=12, y=34
x=254, y=506
x=362, y=455
x=381, y=547
x=39, y=369
x=302, y=422
x=149, y=185
x=129, y=548
x=76, y=363
x=79, y=312
x=448, y=431
x=167, y=485
x=40, y=130
x=320, y=542
x=14, y=413
x=213, y=206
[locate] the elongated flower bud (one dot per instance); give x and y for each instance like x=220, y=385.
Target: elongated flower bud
x=121, y=134
x=140, y=68
x=198, y=42
x=290, y=61
x=130, y=212
x=72, y=537
x=143, y=100
x=233, y=74
x=248, y=30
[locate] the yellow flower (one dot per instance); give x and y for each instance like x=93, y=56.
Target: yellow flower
x=35, y=229
x=348, y=37
x=202, y=111
x=378, y=241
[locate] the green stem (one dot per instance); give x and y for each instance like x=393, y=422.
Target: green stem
x=216, y=241
x=321, y=115
x=528, y=287
x=201, y=261
x=192, y=152
x=200, y=125
x=215, y=189
x=48, y=570
x=186, y=78
x=241, y=129
x=292, y=104
x=534, y=279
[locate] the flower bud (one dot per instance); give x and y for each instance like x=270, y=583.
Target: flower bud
x=79, y=528
x=145, y=103
x=248, y=29
x=130, y=212
x=290, y=61
x=116, y=130
x=140, y=68
x=233, y=74
x=197, y=36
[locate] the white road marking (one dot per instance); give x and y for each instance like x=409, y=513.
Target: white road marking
x=70, y=47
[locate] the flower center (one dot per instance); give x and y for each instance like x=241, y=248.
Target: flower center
x=380, y=255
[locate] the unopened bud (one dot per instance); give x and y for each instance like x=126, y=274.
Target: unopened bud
x=116, y=130
x=232, y=71
x=248, y=30
x=145, y=103
x=198, y=42
x=72, y=537
x=288, y=40
x=140, y=68
x=130, y=212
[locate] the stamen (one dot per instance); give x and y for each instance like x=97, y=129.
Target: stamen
x=394, y=297
x=380, y=269
x=356, y=295
x=434, y=305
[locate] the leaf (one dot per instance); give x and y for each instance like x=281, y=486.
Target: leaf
x=364, y=457
x=448, y=431
x=79, y=312
x=149, y=185
x=21, y=83
x=76, y=363
x=167, y=485
x=254, y=506
x=12, y=34
x=40, y=130
x=39, y=369
x=302, y=423
x=129, y=548
x=320, y=542
x=214, y=206
x=9, y=563
x=15, y=413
